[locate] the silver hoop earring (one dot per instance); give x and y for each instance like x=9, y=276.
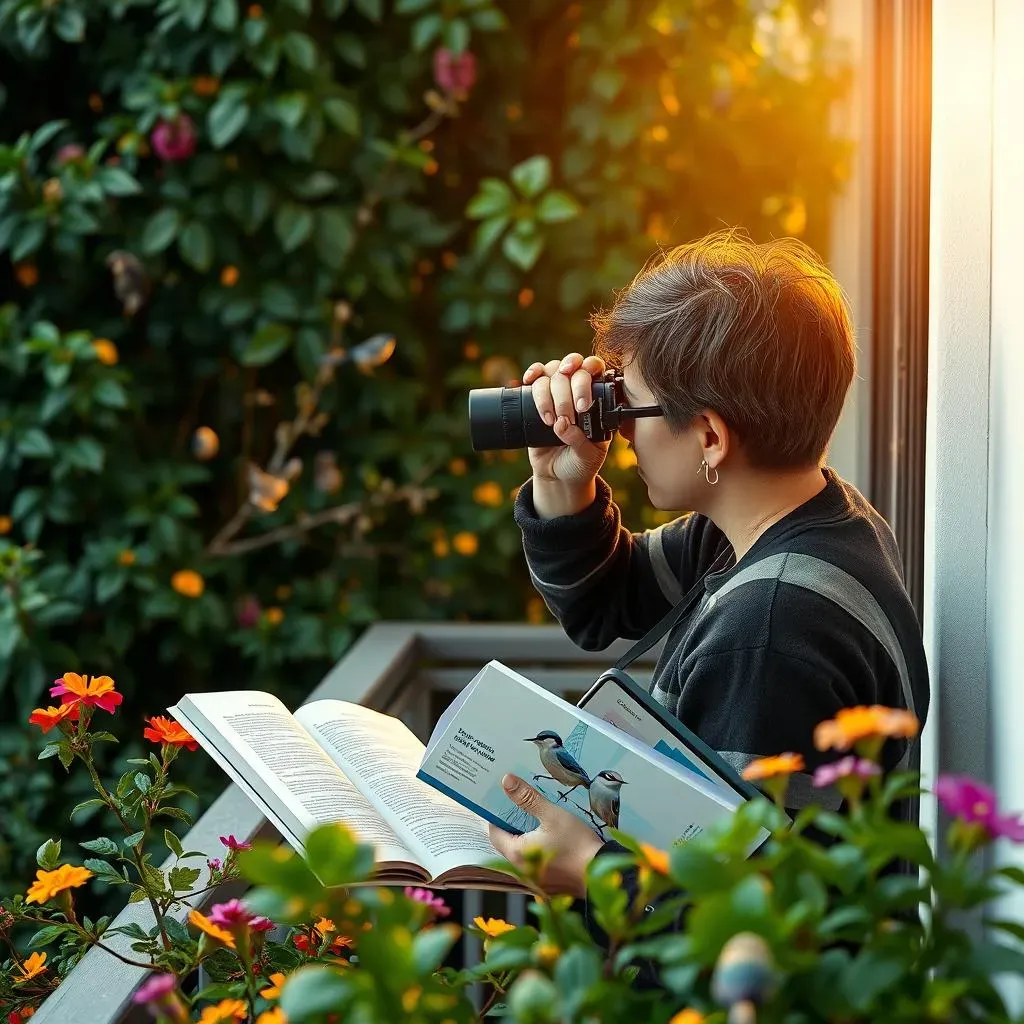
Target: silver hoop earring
x=707, y=471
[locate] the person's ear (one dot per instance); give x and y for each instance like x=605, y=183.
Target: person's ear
x=713, y=437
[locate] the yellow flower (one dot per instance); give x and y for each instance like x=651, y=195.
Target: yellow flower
x=275, y=1015
x=205, y=925
x=325, y=926
x=188, y=583
x=659, y=133
x=441, y=548
x=794, y=220
x=205, y=443
x=466, y=543
x=106, y=351
x=547, y=954
x=274, y=616
x=33, y=966
x=273, y=991
x=6, y=524
x=225, y=1012
x=126, y=557
x=457, y=467
x=852, y=725
x=773, y=767
x=493, y=926
x=229, y=277
x=49, y=883
x=52, y=190
x=488, y=493
x=687, y=1016
x=655, y=859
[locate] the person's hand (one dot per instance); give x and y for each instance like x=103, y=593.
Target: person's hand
x=569, y=842
x=564, y=475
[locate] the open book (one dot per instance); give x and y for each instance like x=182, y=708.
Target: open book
x=426, y=809
x=333, y=761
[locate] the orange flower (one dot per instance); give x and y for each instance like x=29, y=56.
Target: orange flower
x=27, y=275
x=536, y=610
x=6, y=524
x=449, y=261
x=514, y=112
x=457, y=467
x=95, y=102
x=274, y=989
x=275, y=1015
x=168, y=732
x=525, y=298
x=206, y=85
x=493, y=926
x=773, y=767
x=225, y=1012
x=488, y=494
x=126, y=557
x=92, y=691
x=33, y=966
x=205, y=443
x=274, y=616
x=255, y=11
x=106, y=351
x=854, y=725
x=431, y=167
x=466, y=543
x=47, y=718
x=50, y=883
x=229, y=277
x=205, y=925
x=655, y=859
x=687, y=1016
x=188, y=583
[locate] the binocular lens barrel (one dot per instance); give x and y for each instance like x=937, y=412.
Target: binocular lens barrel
x=507, y=418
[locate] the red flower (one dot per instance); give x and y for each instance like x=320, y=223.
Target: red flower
x=456, y=74
x=92, y=691
x=174, y=140
x=163, y=730
x=235, y=844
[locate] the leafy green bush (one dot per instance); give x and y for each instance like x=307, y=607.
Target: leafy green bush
x=206, y=206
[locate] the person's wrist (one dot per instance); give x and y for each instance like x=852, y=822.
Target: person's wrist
x=553, y=498
x=587, y=852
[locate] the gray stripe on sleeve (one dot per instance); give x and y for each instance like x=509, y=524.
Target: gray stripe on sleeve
x=563, y=587
x=668, y=581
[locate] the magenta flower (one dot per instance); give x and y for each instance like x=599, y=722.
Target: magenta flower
x=455, y=74
x=248, y=612
x=231, y=914
x=830, y=774
x=234, y=844
x=213, y=864
x=428, y=899
x=261, y=924
x=72, y=151
x=156, y=988
x=174, y=140
x=975, y=804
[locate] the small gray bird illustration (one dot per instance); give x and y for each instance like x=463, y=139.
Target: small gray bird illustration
x=560, y=765
x=131, y=284
x=604, y=798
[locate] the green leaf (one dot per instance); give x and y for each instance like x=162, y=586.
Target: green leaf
x=181, y=879
x=34, y=444
x=30, y=238
x=86, y=453
x=432, y=945
x=489, y=20
x=868, y=976
x=520, y=251
x=249, y=203
x=336, y=858
x=196, y=245
x=488, y=233
x=317, y=185
x=160, y=230
x=532, y=997
x=989, y=958
x=413, y=6
x=110, y=393
x=48, y=855
x=373, y=9
x=343, y=114
x=425, y=30
x=351, y=49
x=104, y=871
x=577, y=969
x=532, y=176
x=300, y=51
x=103, y=846
x=46, y=935
x=607, y=82
x=173, y=843
x=493, y=197
x=334, y=8
x=293, y=225
x=116, y=181
x=269, y=342
x=290, y=108
x=556, y=207
x=312, y=991
x=224, y=15
x=227, y=117
x=94, y=804
x=46, y=133
x=142, y=782
x=456, y=35
x=334, y=236
x=136, y=837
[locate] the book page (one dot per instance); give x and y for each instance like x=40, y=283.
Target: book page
x=381, y=756
x=284, y=765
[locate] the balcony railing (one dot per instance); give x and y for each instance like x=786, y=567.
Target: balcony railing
x=407, y=669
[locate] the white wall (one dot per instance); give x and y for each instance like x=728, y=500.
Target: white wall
x=974, y=541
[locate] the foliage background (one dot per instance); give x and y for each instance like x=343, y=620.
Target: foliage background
x=296, y=219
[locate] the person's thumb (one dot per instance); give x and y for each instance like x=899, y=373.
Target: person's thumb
x=523, y=795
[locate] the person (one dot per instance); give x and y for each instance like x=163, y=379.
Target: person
x=743, y=354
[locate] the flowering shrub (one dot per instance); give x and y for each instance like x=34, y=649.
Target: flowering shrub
x=204, y=203
x=802, y=931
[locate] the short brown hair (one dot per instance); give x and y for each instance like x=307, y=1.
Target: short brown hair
x=760, y=333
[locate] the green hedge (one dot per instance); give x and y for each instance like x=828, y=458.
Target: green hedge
x=207, y=207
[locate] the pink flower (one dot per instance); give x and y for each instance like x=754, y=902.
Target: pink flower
x=234, y=844
x=72, y=151
x=174, y=140
x=231, y=914
x=213, y=864
x=261, y=924
x=248, y=612
x=975, y=804
x=455, y=74
x=829, y=774
x=428, y=899
x=156, y=988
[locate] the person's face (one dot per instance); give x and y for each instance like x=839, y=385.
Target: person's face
x=666, y=461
